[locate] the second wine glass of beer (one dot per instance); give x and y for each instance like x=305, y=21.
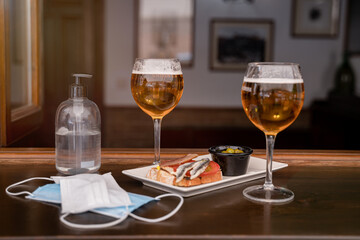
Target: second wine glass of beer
x=272, y=96
x=157, y=86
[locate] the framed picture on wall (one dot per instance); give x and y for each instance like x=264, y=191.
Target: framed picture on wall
x=313, y=18
x=352, y=43
x=235, y=42
x=165, y=30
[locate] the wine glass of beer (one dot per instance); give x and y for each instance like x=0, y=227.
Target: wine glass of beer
x=157, y=86
x=272, y=96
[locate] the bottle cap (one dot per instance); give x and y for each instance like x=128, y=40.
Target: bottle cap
x=77, y=88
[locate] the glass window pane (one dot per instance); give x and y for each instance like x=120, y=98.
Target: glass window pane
x=20, y=52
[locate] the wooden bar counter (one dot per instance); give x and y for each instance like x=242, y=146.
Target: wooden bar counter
x=326, y=205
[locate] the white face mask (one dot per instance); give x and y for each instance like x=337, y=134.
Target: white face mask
x=83, y=192
x=92, y=192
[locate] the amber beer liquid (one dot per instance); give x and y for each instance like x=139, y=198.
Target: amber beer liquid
x=157, y=94
x=272, y=104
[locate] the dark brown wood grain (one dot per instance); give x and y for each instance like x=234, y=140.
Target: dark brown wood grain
x=326, y=205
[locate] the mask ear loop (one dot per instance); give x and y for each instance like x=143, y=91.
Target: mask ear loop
x=93, y=226
x=117, y=221
x=24, y=181
x=155, y=220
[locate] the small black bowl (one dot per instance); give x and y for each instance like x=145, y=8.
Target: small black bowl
x=231, y=164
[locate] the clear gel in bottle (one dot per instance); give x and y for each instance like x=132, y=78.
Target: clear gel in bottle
x=77, y=132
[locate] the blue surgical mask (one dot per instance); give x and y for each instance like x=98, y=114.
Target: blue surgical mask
x=52, y=193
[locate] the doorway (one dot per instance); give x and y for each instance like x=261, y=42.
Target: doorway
x=72, y=43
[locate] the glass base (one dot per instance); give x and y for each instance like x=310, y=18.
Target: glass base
x=268, y=195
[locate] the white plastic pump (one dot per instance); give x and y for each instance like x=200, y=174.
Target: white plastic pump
x=77, y=132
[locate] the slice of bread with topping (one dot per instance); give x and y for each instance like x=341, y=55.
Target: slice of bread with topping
x=167, y=175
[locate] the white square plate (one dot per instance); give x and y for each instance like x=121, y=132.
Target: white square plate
x=256, y=170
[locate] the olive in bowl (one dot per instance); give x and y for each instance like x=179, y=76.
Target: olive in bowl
x=233, y=160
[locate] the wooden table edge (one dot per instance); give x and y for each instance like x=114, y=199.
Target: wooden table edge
x=302, y=157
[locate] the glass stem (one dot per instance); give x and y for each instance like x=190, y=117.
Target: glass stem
x=157, y=131
x=270, y=142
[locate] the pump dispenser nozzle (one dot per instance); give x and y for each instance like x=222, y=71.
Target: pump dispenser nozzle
x=77, y=89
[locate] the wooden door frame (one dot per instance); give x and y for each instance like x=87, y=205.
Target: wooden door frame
x=17, y=123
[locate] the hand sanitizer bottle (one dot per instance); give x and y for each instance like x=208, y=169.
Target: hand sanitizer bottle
x=77, y=130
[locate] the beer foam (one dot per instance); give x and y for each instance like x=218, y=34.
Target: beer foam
x=157, y=66
x=158, y=73
x=274, y=80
